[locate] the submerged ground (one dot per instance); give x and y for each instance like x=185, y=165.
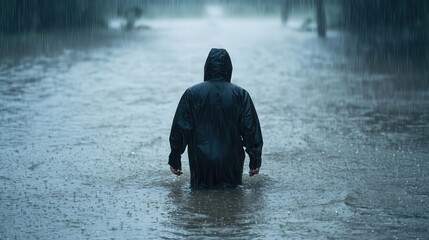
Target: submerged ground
x=85, y=118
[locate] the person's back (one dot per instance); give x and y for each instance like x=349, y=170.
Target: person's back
x=215, y=119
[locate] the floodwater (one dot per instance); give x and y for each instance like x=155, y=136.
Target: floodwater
x=85, y=120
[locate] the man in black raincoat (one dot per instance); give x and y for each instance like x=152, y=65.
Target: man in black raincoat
x=216, y=119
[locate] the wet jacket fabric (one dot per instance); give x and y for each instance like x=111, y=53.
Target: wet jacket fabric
x=216, y=120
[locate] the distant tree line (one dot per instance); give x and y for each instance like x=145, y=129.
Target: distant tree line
x=389, y=14
x=36, y=15
x=27, y=15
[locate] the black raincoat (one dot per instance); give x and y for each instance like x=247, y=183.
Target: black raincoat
x=216, y=119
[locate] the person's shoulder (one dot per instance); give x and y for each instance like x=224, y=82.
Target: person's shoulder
x=198, y=85
x=239, y=89
x=195, y=88
x=233, y=85
x=206, y=85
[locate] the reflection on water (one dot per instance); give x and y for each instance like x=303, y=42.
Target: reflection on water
x=85, y=118
x=231, y=213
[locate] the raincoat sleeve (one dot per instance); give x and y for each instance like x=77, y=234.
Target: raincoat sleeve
x=180, y=130
x=250, y=131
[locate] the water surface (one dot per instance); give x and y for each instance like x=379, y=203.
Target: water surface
x=85, y=120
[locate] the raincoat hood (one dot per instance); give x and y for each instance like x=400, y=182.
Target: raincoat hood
x=218, y=66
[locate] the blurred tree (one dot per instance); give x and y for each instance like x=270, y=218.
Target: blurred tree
x=393, y=14
x=320, y=18
x=131, y=14
x=285, y=9
x=26, y=15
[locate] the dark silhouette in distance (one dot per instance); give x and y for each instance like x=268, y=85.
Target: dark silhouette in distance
x=216, y=120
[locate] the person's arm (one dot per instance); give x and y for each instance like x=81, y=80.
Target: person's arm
x=251, y=133
x=179, y=134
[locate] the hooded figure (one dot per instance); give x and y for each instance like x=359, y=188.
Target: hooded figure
x=216, y=119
